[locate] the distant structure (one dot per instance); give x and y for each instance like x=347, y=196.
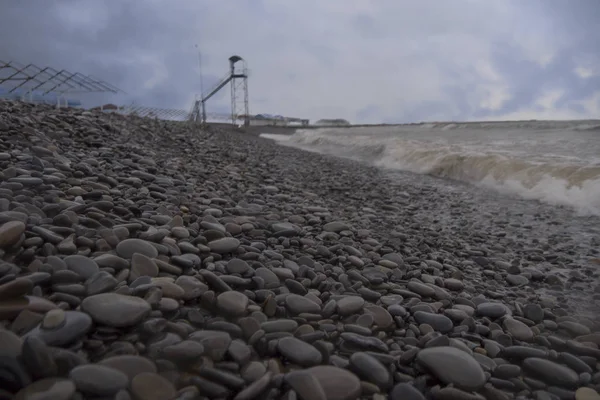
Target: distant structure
x=48, y=85
x=239, y=94
x=332, y=122
x=276, y=120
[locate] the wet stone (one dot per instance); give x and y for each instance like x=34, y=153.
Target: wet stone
x=15, y=288
x=215, y=343
x=350, y=305
x=370, y=369
x=128, y=247
x=98, y=380
x=116, y=310
x=224, y=245
x=453, y=366
x=151, y=386
x=297, y=304
x=130, y=365
x=59, y=328
x=550, y=372
x=49, y=388
x=306, y=385
x=10, y=233
x=142, y=265
x=232, y=303
x=82, y=266
x=405, y=391
x=421, y=289
x=336, y=383
x=518, y=329
x=299, y=352
x=491, y=310
x=438, y=322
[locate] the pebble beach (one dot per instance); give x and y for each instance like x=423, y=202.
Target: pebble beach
x=150, y=260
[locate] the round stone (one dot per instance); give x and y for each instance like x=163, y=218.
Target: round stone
x=406, y=391
x=370, y=369
x=336, y=226
x=98, y=380
x=336, y=383
x=15, y=288
x=116, y=310
x=10, y=233
x=142, y=265
x=53, y=319
x=297, y=304
x=128, y=247
x=237, y=266
x=586, y=393
x=232, y=303
x=380, y=316
x=151, y=386
x=130, y=365
x=215, y=343
x=518, y=329
x=49, y=388
x=299, y=352
x=438, y=322
x=82, y=266
x=534, y=312
x=350, y=305
x=491, y=310
x=224, y=245
x=550, y=372
x=306, y=385
x=10, y=344
x=453, y=366
x=421, y=289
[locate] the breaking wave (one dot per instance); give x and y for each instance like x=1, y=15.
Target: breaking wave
x=555, y=178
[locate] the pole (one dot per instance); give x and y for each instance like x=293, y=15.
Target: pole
x=201, y=85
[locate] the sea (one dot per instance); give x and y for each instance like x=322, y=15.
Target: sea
x=555, y=162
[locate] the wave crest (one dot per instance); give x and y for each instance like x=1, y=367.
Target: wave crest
x=553, y=180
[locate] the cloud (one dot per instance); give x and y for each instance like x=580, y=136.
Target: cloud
x=390, y=60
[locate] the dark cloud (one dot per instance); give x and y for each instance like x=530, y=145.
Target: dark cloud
x=367, y=62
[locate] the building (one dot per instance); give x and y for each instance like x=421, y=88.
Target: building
x=332, y=122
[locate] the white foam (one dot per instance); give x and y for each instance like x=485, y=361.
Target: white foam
x=276, y=137
x=500, y=163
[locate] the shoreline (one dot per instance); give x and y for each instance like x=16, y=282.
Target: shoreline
x=223, y=264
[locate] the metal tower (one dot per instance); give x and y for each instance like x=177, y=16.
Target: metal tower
x=239, y=91
x=238, y=76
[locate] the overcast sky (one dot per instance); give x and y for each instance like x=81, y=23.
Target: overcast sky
x=363, y=60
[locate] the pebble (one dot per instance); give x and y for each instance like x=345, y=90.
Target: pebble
x=370, y=369
x=453, y=366
x=349, y=305
x=299, y=352
x=297, y=304
x=60, y=328
x=98, y=380
x=48, y=388
x=128, y=247
x=10, y=233
x=438, y=322
x=152, y=386
x=336, y=383
x=550, y=372
x=232, y=303
x=145, y=259
x=224, y=245
x=405, y=391
x=585, y=393
x=116, y=310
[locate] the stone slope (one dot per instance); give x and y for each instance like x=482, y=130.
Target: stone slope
x=150, y=260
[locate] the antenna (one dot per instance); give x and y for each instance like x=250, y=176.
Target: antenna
x=200, y=70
